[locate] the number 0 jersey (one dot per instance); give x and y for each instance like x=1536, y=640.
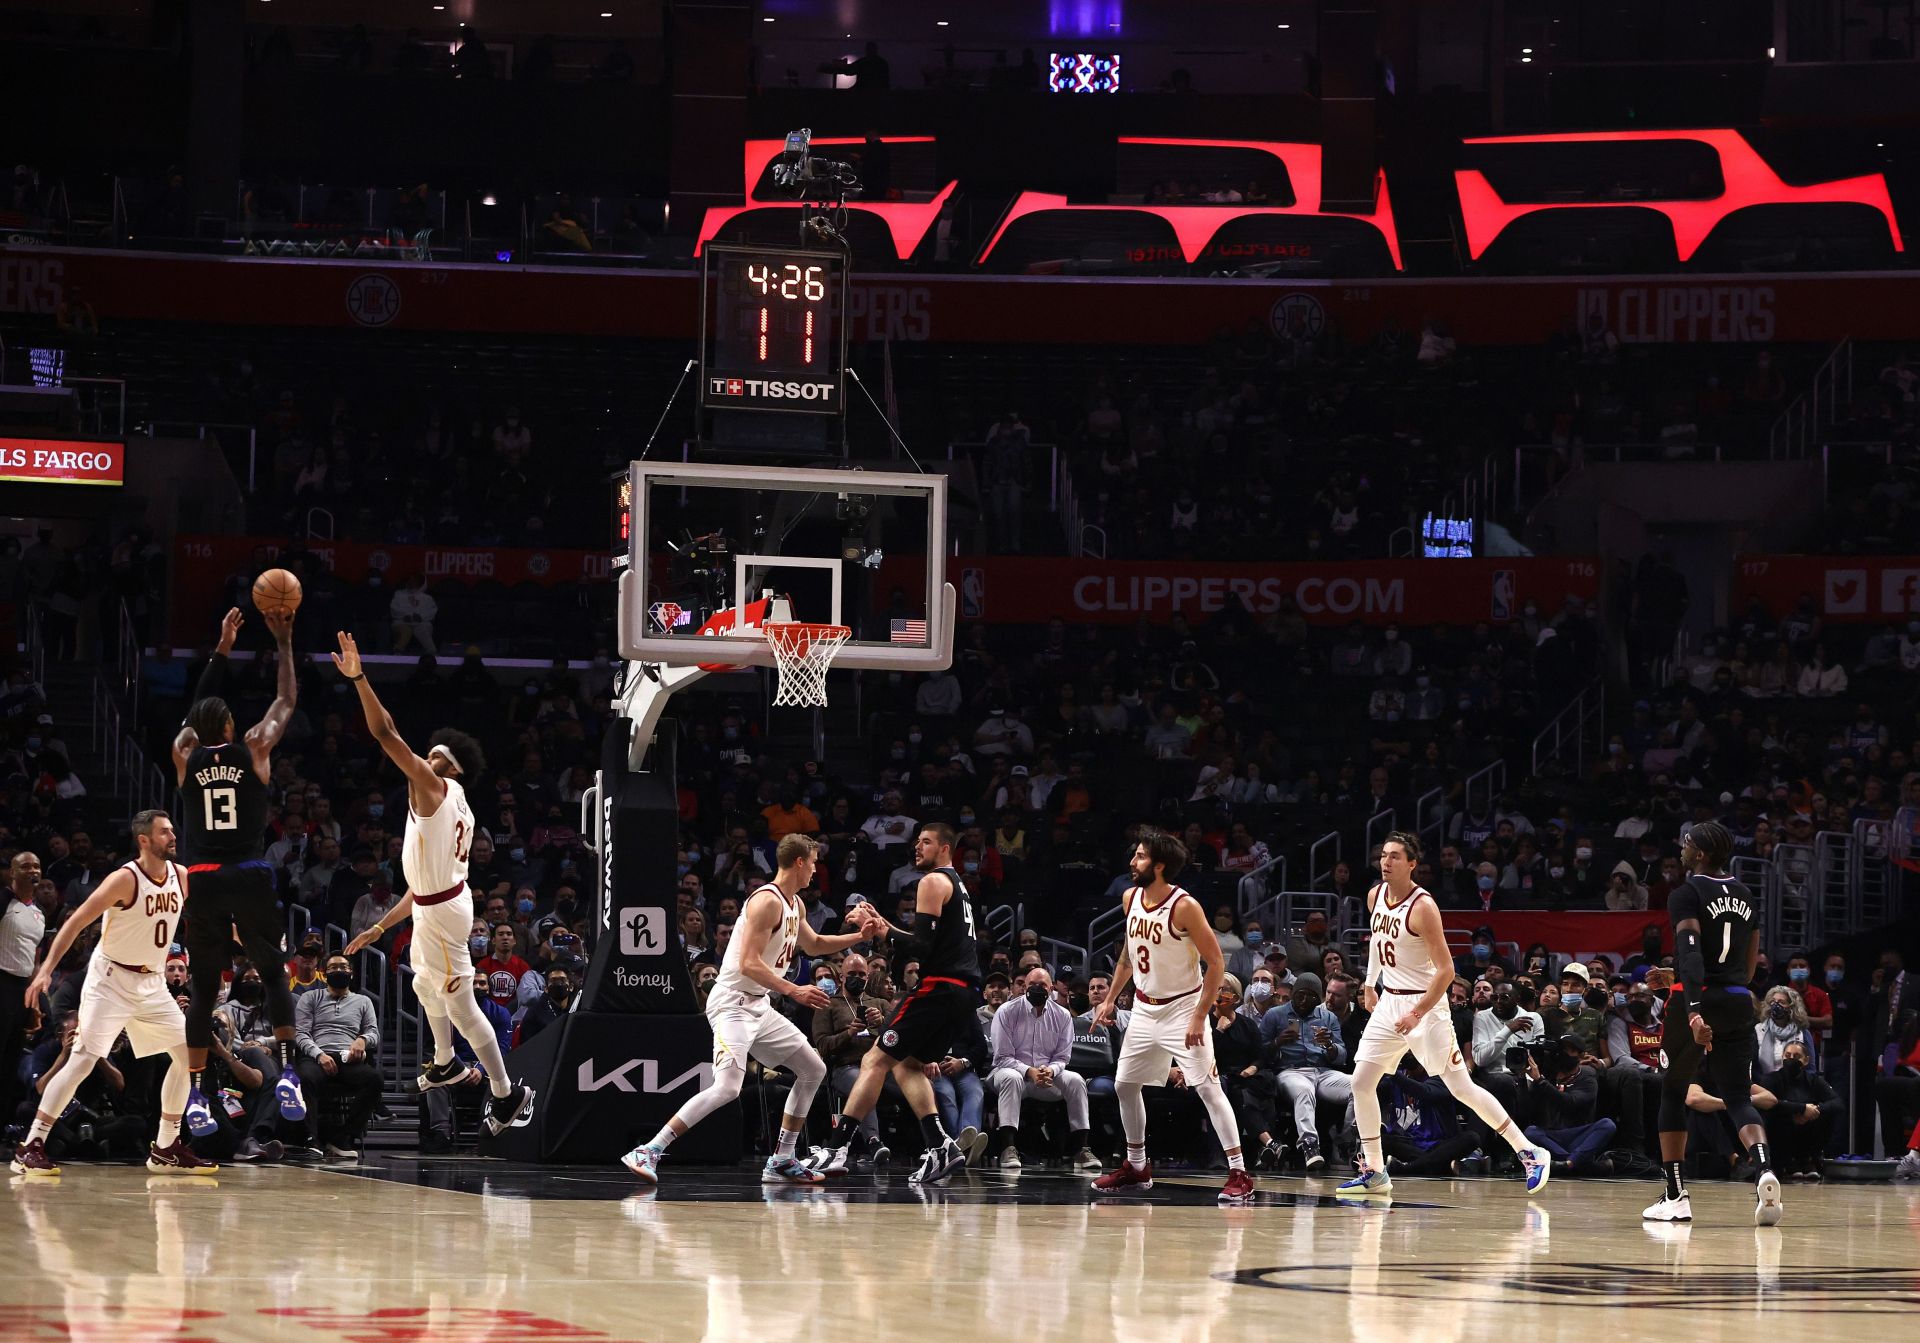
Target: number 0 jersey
x=140, y=934
x=1400, y=958
x=434, y=856
x=778, y=952
x=223, y=806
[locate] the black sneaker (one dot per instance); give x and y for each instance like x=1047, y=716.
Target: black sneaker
x=1273, y=1157
x=513, y=1110
x=451, y=1073
x=261, y=1152
x=937, y=1164
x=1310, y=1156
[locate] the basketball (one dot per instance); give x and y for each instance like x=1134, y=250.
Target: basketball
x=276, y=590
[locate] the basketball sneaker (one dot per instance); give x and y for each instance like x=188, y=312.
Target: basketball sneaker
x=785, y=1168
x=252, y=1149
x=1084, y=1159
x=832, y=1162
x=937, y=1164
x=1536, y=1163
x=1125, y=1176
x=1366, y=1182
x=292, y=1100
x=644, y=1161
x=1767, y=1208
x=1909, y=1167
x=449, y=1074
x=178, y=1158
x=198, y=1115
x=1239, y=1187
x=513, y=1110
x=1670, y=1210
x=1310, y=1156
x=30, y=1158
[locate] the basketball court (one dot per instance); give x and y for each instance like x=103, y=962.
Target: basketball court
x=451, y=1249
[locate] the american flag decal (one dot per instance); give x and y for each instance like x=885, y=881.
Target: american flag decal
x=907, y=631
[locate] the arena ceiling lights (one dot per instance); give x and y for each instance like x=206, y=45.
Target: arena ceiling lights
x=1749, y=181
x=1196, y=225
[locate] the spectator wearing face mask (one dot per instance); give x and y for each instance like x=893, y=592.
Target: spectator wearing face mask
x=249, y=1043
x=845, y=1029
x=1305, y=1044
x=1252, y=954
x=1566, y=1101
x=1624, y=891
x=1305, y=949
x=1783, y=1022
x=1480, y=954
x=335, y=1033
x=556, y=998
x=1502, y=1026
x=1805, y=1112
x=1584, y=1004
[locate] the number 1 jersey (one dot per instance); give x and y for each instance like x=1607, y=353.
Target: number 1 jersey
x=223, y=806
x=1729, y=920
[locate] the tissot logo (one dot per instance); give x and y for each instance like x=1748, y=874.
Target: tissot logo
x=763, y=390
x=620, y=1078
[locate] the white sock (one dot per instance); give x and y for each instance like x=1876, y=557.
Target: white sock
x=442, y=1028
x=1137, y=1155
x=783, y=1145
x=663, y=1139
x=169, y=1132
x=41, y=1128
x=1237, y=1159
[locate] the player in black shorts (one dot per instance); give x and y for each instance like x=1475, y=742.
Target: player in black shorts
x=927, y=1020
x=1710, y=1018
x=223, y=824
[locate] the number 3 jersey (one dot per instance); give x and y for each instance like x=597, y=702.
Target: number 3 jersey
x=434, y=855
x=223, y=806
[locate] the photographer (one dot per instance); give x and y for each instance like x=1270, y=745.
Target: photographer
x=1564, y=1092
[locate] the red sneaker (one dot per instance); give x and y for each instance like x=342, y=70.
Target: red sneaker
x=1125, y=1176
x=177, y=1159
x=30, y=1158
x=1238, y=1188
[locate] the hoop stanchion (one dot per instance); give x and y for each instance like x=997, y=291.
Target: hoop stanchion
x=802, y=653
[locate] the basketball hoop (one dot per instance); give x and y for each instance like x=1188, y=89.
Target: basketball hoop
x=802, y=653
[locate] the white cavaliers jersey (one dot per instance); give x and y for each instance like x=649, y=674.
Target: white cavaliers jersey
x=1400, y=957
x=434, y=856
x=140, y=934
x=778, y=953
x=1165, y=962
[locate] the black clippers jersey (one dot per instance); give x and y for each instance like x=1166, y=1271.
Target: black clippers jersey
x=953, y=952
x=1729, y=920
x=223, y=806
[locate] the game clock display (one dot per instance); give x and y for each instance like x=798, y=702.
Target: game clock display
x=773, y=336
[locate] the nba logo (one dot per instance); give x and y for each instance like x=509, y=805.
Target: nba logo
x=642, y=931
x=973, y=593
x=1503, y=583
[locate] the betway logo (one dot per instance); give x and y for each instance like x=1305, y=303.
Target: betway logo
x=772, y=391
x=618, y=1079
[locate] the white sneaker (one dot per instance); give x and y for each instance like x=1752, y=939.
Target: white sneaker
x=829, y=1161
x=1010, y=1159
x=1670, y=1210
x=644, y=1162
x=1909, y=1167
x=1768, y=1209
x=973, y=1142
x=1084, y=1159
x=336, y=1153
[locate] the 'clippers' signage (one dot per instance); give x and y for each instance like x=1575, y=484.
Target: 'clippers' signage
x=62, y=461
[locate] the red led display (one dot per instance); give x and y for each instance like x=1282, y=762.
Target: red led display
x=1749, y=181
x=907, y=221
x=1196, y=225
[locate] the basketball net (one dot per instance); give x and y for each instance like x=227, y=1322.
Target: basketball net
x=801, y=655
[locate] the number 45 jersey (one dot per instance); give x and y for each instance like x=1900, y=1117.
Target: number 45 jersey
x=223, y=806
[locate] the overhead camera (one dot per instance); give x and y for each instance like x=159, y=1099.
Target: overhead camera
x=801, y=176
x=852, y=512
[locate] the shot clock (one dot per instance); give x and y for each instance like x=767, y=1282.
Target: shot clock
x=774, y=334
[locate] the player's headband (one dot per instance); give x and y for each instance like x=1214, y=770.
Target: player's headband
x=445, y=751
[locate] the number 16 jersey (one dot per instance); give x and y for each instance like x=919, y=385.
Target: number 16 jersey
x=223, y=806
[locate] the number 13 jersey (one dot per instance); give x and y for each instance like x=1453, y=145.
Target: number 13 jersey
x=223, y=806
x=434, y=855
